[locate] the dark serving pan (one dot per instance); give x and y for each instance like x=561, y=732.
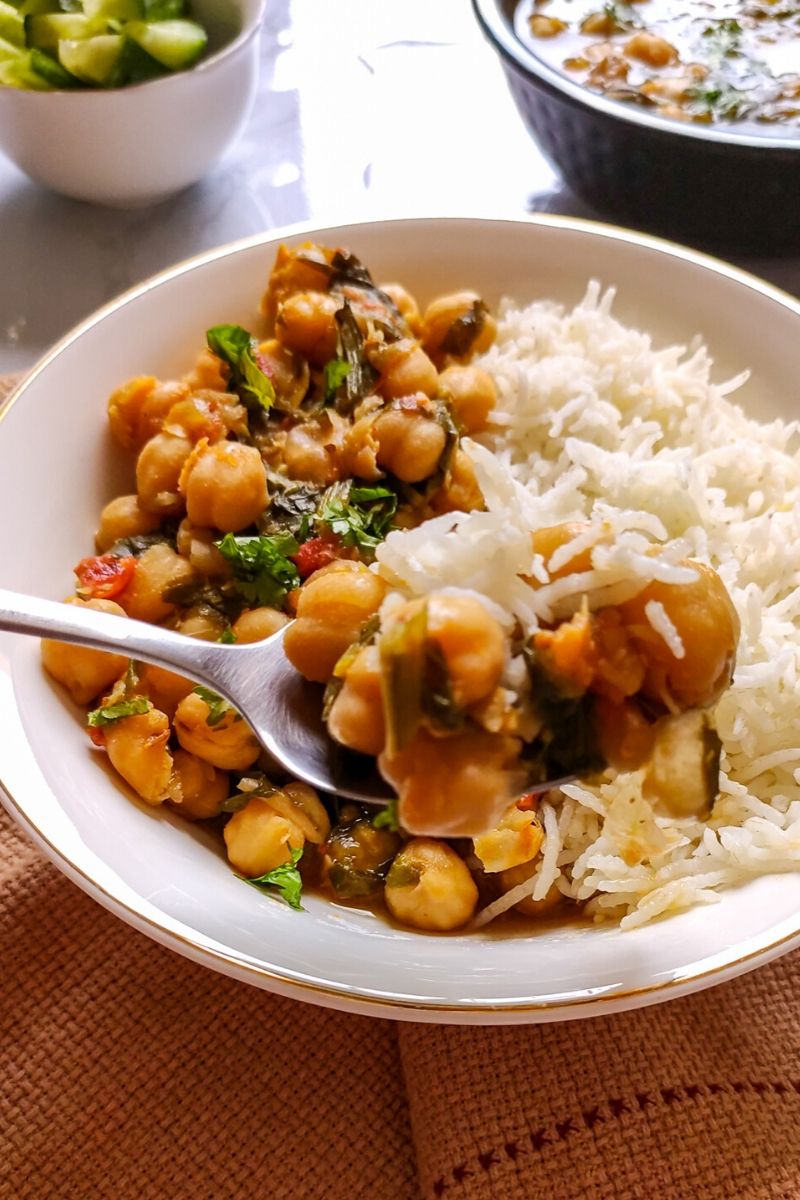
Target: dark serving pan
x=708, y=184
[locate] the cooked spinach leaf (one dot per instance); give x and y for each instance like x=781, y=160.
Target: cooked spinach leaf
x=292, y=506
x=465, y=330
x=361, y=375
x=235, y=346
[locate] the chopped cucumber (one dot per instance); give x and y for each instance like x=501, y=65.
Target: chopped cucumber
x=31, y=7
x=176, y=44
x=92, y=60
x=45, y=30
x=164, y=10
x=18, y=73
x=12, y=26
x=7, y=50
x=100, y=43
x=50, y=70
x=135, y=66
x=114, y=10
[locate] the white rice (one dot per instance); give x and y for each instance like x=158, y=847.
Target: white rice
x=594, y=424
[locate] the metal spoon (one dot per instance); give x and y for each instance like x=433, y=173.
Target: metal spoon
x=283, y=709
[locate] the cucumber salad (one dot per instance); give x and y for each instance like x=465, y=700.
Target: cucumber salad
x=49, y=45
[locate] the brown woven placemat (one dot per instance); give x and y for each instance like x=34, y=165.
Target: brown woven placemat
x=129, y=1073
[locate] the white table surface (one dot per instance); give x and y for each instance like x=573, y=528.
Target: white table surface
x=365, y=108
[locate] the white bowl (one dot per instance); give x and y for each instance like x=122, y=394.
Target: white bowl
x=137, y=145
x=170, y=880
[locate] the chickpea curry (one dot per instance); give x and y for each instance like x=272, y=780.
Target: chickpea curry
x=728, y=61
x=266, y=480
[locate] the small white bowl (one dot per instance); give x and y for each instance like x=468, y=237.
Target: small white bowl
x=136, y=145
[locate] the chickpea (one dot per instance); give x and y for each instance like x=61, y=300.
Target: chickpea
x=618, y=667
x=457, y=786
x=707, y=624
x=357, y=856
x=225, y=485
x=198, y=790
x=196, y=544
x=84, y=673
x=601, y=24
x=296, y=270
x=471, y=393
x=546, y=541
x=546, y=27
x=472, y=643
x=289, y=372
x=258, y=839
x=625, y=739
x=306, y=325
x=256, y=624
x=301, y=805
x=203, y=622
x=460, y=491
x=430, y=887
x=157, y=570
x=137, y=410
x=410, y=442
x=123, y=518
x=197, y=417
x=516, y=839
x=405, y=369
x=405, y=303
x=158, y=470
x=137, y=748
x=356, y=716
x=310, y=453
x=447, y=317
x=331, y=610
x=209, y=371
x=230, y=744
x=651, y=49
x=165, y=688
x=359, y=453
x=530, y=907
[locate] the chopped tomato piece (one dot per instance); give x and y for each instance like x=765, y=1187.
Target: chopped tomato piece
x=104, y=576
x=528, y=802
x=98, y=736
x=313, y=554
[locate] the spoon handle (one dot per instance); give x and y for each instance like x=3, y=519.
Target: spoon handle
x=201, y=661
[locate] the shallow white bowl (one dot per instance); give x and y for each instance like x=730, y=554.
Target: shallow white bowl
x=169, y=879
x=137, y=145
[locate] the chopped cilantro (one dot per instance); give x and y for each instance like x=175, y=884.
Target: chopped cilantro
x=285, y=879
x=227, y=637
x=218, y=708
x=358, y=516
x=387, y=817
x=136, y=706
x=720, y=101
x=336, y=371
x=235, y=346
x=262, y=567
x=724, y=38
